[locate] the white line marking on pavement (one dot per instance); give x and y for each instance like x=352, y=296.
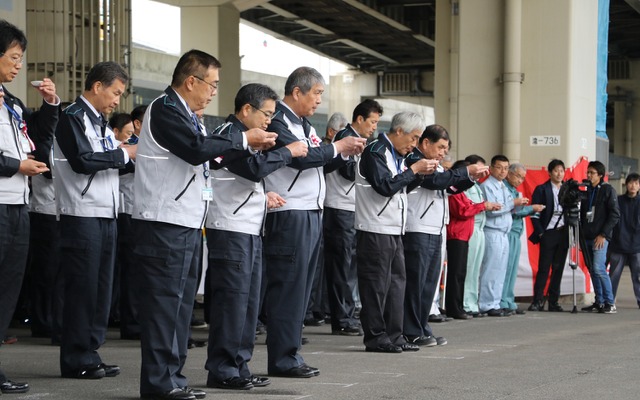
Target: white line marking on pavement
x=344, y=385
x=441, y=357
x=394, y=374
x=476, y=350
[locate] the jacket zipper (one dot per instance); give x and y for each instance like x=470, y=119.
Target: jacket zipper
x=294, y=180
x=351, y=187
x=243, y=203
x=86, y=188
x=385, y=206
x=425, y=211
x=193, y=178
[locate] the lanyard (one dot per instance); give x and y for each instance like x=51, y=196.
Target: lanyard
x=22, y=125
x=593, y=194
x=205, y=166
x=105, y=141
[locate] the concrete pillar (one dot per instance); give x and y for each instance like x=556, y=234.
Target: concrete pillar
x=446, y=70
x=559, y=91
x=215, y=30
x=512, y=79
x=557, y=96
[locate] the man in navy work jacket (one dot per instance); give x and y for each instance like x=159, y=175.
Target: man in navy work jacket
x=380, y=220
x=427, y=213
x=21, y=133
x=87, y=161
x=338, y=229
x=171, y=195
x=234, y=240
x=293, y=231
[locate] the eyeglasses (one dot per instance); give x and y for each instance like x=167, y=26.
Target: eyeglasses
x=15, y=60
x=214, y=85
x=269, y=114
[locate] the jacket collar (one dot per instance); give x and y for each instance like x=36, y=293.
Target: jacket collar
x=91, y=113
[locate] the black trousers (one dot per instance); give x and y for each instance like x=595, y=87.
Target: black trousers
x=340, y=265
x=291, y=249
x=554, y=245
x=165, y=271
x=14, y=246
x=46, y=291
x=234, y=275
x=87, y=254
x=457, y=253
x=422, y=253
x=381, y=280
x=128, y=292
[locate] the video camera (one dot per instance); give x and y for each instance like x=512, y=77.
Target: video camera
x=570, y=195
x=572, y=192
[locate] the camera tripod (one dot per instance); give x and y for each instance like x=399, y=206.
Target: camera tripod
x=576, y=243
x=574, y=258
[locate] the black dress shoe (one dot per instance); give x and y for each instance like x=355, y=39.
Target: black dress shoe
x=437, y=318
x=301, y=371
x=110, y=370
x=520, y=311
x=314, y=321
x=86, y=373
x=496, y=312
x=9, y=387
x=174, y=394
x=315, y=371
x=476, y=314
x=260, y=381
x=555, y=307
x=536, y=306
x=193, y=343
x=508, y=312
x=199, y=394
x=462, y=316
x=385, y=348
x=347, y=331
x=409, y=347
x=235, y=383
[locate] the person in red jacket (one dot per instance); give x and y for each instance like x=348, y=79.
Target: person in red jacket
x=460, y=228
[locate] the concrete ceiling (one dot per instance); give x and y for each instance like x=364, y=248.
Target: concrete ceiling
x=371, y=35
x=387, y=35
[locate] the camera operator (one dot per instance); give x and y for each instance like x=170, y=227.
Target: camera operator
x=599, y=213
x=625, y=244
x=550, y=231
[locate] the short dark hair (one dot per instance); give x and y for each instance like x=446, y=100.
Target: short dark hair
x=105, y=72
x=460, y=164
x=474, y=159
x=119, y=120
x=138, y=113
x=554, y=163
x=303, y=78
x=193, y=63
x=253, y=94
x=11, y=35
x=498, y=157
x=434, y=133
x=632, y=177
x=365, y=108
x=598, y=166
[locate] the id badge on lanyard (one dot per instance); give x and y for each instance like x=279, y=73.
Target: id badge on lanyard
x=26, y=144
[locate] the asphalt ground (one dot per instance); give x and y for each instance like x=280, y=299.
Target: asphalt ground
x=539, y=355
